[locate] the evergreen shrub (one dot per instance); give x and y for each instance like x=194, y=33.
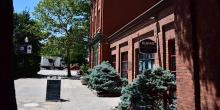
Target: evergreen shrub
x=152, y=90
x=105, y=80
x=85, y=71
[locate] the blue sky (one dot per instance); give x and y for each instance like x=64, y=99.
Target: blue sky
x=20, y=5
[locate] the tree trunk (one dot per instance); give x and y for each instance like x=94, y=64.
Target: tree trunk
x=68, y=62
x=7, y=92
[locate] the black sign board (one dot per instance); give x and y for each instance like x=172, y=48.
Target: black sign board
x=53, y=90
x=24, y=49
x=147, y=46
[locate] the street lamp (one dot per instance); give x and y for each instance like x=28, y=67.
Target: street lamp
x=26, y=40
x=28, y=47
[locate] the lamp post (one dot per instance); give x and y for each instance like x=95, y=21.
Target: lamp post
x=25, y=51
x=28, y=46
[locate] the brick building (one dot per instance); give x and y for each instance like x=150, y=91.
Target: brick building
x=107, y=16
x=168, y=25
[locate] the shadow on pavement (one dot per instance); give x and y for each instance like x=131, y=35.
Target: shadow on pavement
x=64, y=100
x=60, y=100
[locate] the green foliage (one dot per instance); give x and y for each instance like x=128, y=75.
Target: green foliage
x=85, y=72
x=24, y=26
x=59, y=15
x=154, y=90
x=104, y=78
x=68, y=20
x=78, y=54
x=85, y=69
x=53, y=47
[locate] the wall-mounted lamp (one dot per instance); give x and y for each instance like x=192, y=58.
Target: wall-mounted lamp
x=152, y=17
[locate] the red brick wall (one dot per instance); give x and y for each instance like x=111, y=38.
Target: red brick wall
x=184, y=75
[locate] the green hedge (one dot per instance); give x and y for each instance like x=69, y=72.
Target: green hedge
x=153, y=90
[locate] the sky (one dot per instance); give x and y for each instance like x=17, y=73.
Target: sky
x=20, y=5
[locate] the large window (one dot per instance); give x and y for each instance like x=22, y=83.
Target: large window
x=113, y=61
x=124, y=64
x=95, y=54
x=172, y=58
x=136, y=62
x=172, y=55
x=144, y=61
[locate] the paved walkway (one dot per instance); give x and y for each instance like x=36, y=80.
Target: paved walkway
x=31, y=95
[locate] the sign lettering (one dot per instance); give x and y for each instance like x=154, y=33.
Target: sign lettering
x=147, y=46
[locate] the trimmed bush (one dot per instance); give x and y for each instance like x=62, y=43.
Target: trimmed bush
x=153, y=90
x=104, y=79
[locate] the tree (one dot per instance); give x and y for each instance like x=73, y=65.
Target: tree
x=24, y=26
x=61, y=18
x=55, y=46
x=7, y=92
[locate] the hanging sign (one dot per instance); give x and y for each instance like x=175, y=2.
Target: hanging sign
x=25, y=49
x=22, y=49
x=147, y=46
x=29, y=49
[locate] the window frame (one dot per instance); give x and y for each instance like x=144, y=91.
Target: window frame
x=95, y=51
x=113, y=61
x=172, y=55
x=124, y=63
